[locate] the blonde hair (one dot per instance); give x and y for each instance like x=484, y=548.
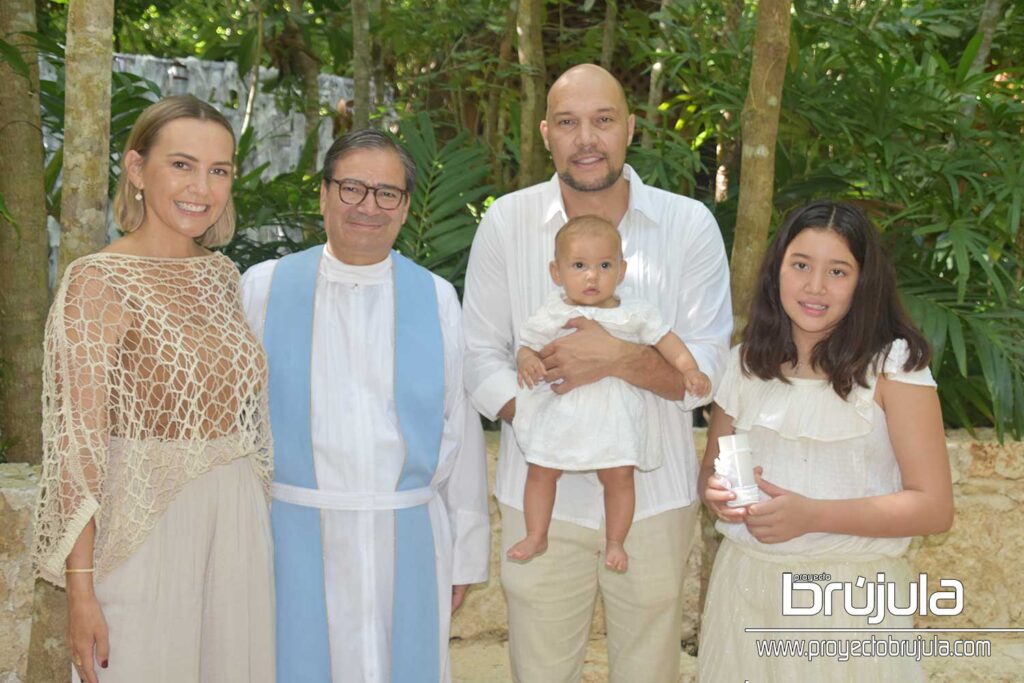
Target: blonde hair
x=588, y=226
x=129, y=212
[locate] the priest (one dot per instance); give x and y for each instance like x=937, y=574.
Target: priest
x=380, y=496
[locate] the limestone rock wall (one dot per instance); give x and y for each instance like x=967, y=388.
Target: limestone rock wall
x=18, y=486
x=985, y=547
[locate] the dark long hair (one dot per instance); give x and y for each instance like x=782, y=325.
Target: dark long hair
x=876, y=317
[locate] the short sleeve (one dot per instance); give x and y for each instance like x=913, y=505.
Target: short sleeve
x=727, y=395
x=895, y=361
x=540, y=328
x=654, y=326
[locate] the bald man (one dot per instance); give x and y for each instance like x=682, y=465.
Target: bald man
x=677, y=262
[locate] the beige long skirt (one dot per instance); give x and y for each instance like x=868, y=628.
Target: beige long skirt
x=195, y=602
x=745, y=591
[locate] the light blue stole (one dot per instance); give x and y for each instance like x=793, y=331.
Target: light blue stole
x=303, y=650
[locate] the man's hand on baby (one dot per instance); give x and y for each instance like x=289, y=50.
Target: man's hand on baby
x=696, y=383
x=580, y=358
x=531, y=371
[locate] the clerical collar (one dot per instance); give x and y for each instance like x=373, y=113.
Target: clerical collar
x=336, y=271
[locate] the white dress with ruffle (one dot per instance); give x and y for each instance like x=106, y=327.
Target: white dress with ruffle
x=810, y=441
x=599, y=425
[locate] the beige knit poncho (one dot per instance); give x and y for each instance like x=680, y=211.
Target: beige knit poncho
x=151, y=378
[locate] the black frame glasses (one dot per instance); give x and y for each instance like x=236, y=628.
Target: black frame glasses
x=353, y=192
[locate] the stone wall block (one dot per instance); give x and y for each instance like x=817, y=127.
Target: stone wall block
x=18, y=486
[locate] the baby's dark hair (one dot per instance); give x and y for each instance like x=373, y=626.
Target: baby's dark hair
x=876, y=317
x=585, y=226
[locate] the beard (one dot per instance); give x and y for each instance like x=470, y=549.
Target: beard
x=594, y=185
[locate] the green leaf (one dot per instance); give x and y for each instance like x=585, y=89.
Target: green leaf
x=247, y=51
x=12, y=55
x=7, y=216
x=967, y=58
x=956, y=339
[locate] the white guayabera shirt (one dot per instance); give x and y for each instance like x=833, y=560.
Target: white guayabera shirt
x=357, y=448
x=676, y=261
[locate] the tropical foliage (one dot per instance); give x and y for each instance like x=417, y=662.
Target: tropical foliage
x=883, y=105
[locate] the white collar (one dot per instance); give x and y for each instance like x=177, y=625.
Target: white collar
x=337, y=271
x=639, y=197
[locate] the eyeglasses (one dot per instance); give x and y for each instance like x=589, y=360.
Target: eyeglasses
x=354, y=192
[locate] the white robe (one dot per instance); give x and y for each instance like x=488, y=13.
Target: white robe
x=357, y=448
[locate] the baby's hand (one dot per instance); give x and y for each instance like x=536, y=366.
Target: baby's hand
x=531, y=371
x=696, y=383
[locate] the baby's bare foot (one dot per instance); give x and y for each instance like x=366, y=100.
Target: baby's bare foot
x=615, y=557
x=525, y=549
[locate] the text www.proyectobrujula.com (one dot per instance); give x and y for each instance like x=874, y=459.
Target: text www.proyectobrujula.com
x=844, y=649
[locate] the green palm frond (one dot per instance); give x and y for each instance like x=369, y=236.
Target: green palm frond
x=445, y=207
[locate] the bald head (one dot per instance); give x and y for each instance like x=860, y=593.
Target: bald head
x=585, y=78
x=587, y=129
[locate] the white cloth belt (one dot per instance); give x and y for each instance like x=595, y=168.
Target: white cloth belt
x=337, y=500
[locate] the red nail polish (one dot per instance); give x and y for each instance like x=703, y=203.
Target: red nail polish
x=104, y=663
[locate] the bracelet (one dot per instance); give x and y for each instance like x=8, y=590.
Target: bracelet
x=88, y=570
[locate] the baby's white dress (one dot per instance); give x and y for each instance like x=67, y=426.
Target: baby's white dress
x=599, y=425
x=812, y=442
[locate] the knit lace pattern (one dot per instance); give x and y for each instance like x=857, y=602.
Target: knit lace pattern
x=151, y=378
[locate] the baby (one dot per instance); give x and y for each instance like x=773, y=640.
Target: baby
x=597, y=426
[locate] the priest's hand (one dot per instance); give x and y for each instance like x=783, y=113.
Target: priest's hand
x=458, y=595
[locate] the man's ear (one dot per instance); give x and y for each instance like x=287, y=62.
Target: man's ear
x=544, y=133
x=553, y=269
x=630, y=127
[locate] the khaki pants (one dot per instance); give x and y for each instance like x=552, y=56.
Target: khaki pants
x=551, y=599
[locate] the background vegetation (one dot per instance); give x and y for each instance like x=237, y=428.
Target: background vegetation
x=913, y=109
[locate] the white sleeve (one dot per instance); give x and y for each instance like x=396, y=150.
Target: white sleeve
x=539, y=329
x=897, y=357
x=255, y=291
x=465, y=490
x=704, y=317
x=654, y=327
x=490, y=367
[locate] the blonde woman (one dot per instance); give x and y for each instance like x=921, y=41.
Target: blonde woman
x=153, y=512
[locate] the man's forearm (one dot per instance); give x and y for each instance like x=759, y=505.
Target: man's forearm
x=642, y=366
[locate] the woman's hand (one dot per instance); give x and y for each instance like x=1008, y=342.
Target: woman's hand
x=88, y=631
x=786, y=516
x=716, y=494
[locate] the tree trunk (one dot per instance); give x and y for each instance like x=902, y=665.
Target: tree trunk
x=494, y=134
x=254, y=85
x=24, y=247
x=308, y=68
x=611, y=15
x=656, y=87
x=377, y=81
x=531, y=61
x=83, y=208
x=727, y=151
x=361, y=66
x=760, y=124
x=987, y=26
